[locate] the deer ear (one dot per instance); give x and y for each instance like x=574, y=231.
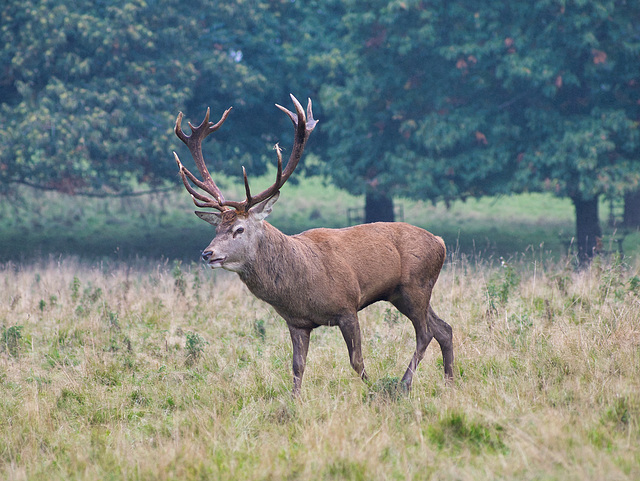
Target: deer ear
x=263, y=209
x=213, y=218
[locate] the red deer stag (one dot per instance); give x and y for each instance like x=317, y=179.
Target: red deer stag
x=321, y=277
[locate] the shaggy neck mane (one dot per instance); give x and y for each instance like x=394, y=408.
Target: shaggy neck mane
x=267, y=273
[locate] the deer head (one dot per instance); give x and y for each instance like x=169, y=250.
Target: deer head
x=238, y=223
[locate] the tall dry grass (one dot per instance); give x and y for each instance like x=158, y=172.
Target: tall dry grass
x=168, y=371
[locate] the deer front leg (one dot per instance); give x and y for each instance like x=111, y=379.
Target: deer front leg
x=300, y=340
x=350, y=329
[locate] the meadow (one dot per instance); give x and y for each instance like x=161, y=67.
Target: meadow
x=120, y=371
x=149, y=366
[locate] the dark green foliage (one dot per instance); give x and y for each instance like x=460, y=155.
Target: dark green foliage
x=90, y=92
x=11, y=339
x=429, y=100
x=455, y=431
x=447, y=100
x=501, y=285
x=194, y=345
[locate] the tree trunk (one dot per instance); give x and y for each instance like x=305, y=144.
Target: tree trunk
x=378, y=207
x=588, y=231
x=631, y=216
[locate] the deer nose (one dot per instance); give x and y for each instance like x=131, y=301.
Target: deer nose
x=206, y=255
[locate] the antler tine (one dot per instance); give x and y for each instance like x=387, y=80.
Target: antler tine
x=246, y=185
x=194, y=143
x=279, y=172
x=195, y=195
x=304, y=125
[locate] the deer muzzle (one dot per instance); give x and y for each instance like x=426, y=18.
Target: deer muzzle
x=208, y=257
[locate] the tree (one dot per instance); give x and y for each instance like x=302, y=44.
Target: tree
x=456, y=99
x=631, y=215
x=402, y=120
x=261, y=39
x=576, y=65
x=90, y=92
x=430, y=100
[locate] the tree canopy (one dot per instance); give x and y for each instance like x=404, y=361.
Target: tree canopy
x=456, y=99
x=424, y=99
x=90, y=91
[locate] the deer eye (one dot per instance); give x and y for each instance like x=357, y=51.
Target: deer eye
x=239, y=230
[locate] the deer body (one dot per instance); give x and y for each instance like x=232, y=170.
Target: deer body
x=323, y=277
x=320, y=273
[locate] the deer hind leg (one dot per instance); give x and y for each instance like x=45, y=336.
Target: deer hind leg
x=412, y=307
x=423, y=338
x=350, y=329
x=427, y=326
x=444, y=335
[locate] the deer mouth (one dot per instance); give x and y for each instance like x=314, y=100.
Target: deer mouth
x=217, y=262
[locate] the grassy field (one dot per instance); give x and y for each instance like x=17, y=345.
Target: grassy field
x=122, y=358
x=166, y=371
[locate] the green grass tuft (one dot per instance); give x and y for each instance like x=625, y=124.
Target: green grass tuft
x=455, y=432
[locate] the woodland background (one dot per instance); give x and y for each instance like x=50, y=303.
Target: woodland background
x=510, y=128
x=420, y=100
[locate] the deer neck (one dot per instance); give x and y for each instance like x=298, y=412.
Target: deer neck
x=274, y=268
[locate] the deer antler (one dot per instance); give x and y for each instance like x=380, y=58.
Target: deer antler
x=304, y=125
x=194, y=143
